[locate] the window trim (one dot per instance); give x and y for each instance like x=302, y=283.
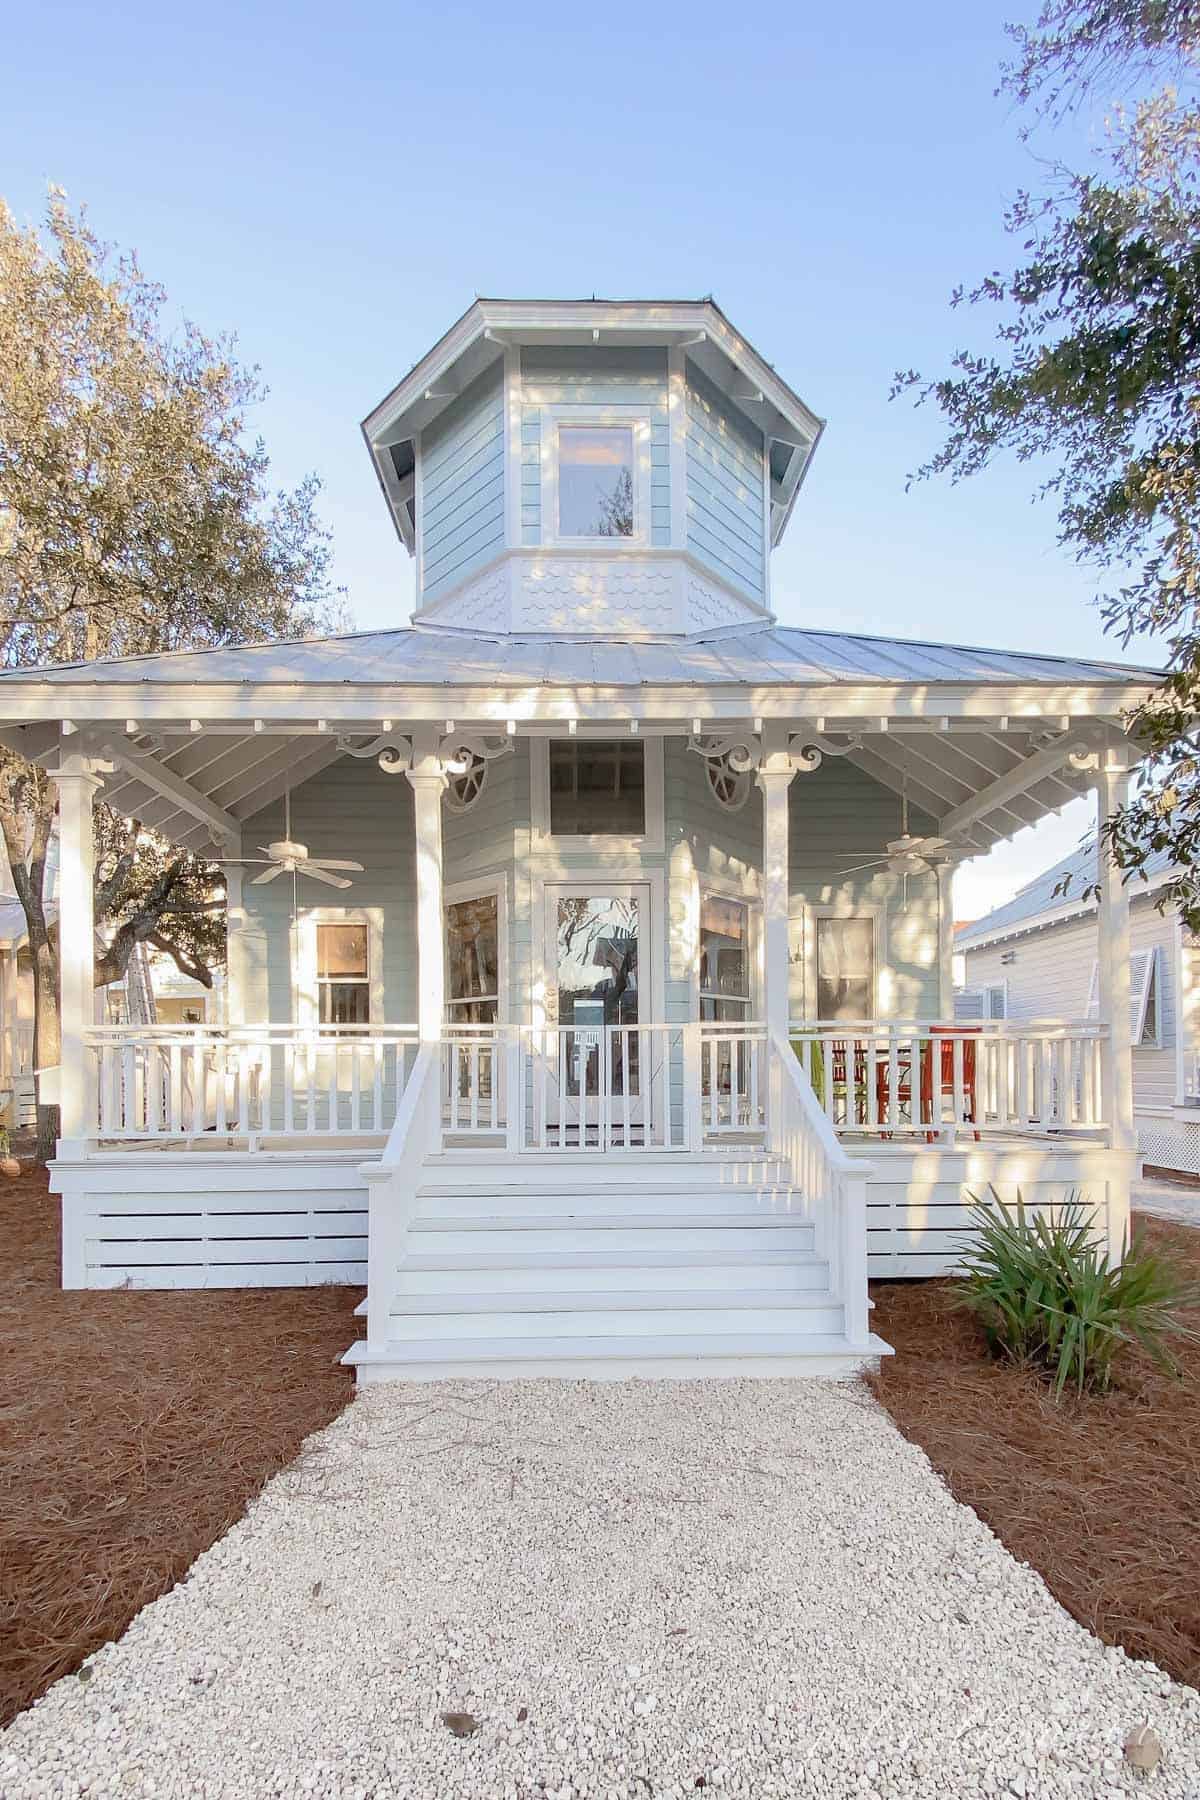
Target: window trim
x=553, y=419
x=452, y=894
x=306, y=1004
x=752, y=901
x=596, y=843
x=857, y=910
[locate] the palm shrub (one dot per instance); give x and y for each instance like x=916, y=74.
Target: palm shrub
x=1048, y=1295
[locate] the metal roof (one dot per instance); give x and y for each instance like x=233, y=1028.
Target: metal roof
x=274, y=715
x=428, y=656
x=1039, y=904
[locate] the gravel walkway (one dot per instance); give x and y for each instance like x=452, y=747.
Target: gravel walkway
x=1177, y=1200
x=755, y=1588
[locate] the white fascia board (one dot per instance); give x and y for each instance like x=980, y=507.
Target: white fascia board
x=548, y=318
x=301, y=704
x=1053, y=915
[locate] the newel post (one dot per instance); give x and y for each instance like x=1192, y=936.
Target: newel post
x=76, y=782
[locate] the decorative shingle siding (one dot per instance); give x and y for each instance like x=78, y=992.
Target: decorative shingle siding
x=724, y=488
x=462, y=486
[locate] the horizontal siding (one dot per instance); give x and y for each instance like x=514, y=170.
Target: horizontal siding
x=562, y=375
x=351, y=809
x=1050, y=976
x=241, y=1222
x=840, y=816
x=462, y=486
x=918, y=1208
x=724, y=488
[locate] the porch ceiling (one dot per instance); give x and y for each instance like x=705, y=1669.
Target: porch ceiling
x=197, y=781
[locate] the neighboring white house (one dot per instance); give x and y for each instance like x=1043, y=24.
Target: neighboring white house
x=1038, y=956
x=590, y=983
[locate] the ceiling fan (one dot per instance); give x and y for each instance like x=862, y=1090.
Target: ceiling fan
x=286, y=857
x=911, y=854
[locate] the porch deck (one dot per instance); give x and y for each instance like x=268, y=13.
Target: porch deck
x=162, y=1203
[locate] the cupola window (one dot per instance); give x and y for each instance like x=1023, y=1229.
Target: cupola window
x=595, y=481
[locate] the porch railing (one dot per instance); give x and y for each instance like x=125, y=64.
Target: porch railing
x=162, y=1082
x=830, y=1186
x=16, y=1050
x=930, y=1081
x=583, y=1087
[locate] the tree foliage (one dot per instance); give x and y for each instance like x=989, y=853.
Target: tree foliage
x=1095, y=373
x=136, y=517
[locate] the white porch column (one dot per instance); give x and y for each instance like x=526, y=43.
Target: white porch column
x=428, y=781
x=76, y=784
x=235, y=942
x=1113, y=959
x=945, y=889
x=775, y=778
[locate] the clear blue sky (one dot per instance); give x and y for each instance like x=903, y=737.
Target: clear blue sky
x=336, y=183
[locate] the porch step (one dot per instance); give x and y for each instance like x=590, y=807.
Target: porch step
x=635, y=1199
x=462, y=1172
x=653, y=1356
x=566, y=1232
x=602, y=1315
x=637, y=1272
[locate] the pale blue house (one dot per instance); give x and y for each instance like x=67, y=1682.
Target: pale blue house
x=590, y=943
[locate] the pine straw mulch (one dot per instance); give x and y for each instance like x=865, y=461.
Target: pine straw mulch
x=1100, y=1495
x=134, y=1429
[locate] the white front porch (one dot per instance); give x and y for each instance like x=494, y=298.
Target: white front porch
x=612, y=1144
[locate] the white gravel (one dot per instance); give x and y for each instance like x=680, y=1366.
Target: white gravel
x=636, y=1589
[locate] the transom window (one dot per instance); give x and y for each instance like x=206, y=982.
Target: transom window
x=724, y=958
x=343, y=975
x=595, y=481
x=846, y=968
x=472, y=961
x=597, y=788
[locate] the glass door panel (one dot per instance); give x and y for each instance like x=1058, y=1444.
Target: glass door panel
x=594, y=969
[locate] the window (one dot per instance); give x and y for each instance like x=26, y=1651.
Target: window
x=462, y=791
x=724, y=958
x=845, y=968
x=343, y=975
x=473, y=961
x=597, y=789
x=595, y=481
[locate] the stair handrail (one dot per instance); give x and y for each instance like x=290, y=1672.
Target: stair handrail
x=832, y=1183
x=392, y=1185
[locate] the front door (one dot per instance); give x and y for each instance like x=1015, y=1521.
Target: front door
x=595, y=962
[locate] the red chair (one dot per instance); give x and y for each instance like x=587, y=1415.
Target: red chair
x=968, y=1034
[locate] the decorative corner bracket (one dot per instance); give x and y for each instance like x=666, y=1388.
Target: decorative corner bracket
x=394, y=753
x=809, y=748
x=737, y=753
x=460, y=750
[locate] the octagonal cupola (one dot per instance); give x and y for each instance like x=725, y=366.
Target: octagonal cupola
x=615, y=468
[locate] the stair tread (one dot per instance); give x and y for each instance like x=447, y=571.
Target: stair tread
x=599, y=1300
x=456, y=1262
x=664, y=1344
x=605, y=1221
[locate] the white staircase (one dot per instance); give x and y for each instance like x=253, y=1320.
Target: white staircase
x=575, y=1264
